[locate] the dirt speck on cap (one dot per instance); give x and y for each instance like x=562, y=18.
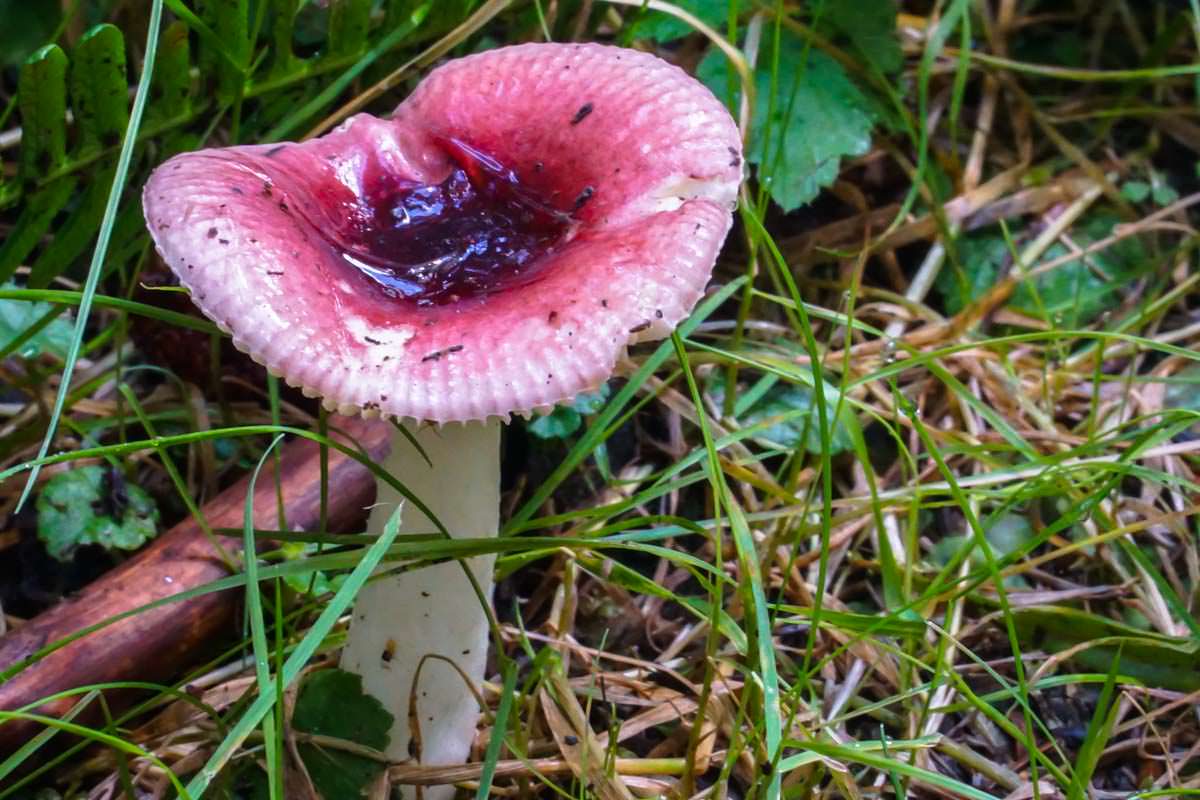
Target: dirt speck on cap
x=582, y=113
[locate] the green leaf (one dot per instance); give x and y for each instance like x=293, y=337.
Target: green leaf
x=1076, y=293
x=348, y=25
x=94, y=505
x=1164, y=194
x=296, y=116
x=1135, y=191
x=870, y=28
x=317, y=583
x=103, y=239
x=495, y=745
x=332, y=703
x=1008, y=533
x=558, y=424
x=444, y=15
x=283, y=59
x=873, y=623
x=818, y=116
x=565, y=419
x=35, y=220
x=1070, y=295
x=73, y=236
x=1183, y=392
x=171, y=86
x=98, y=89
x=300, y=654
x=42, y=89
x=229, y=20
x=791, y=413
x=1005, y=534
x=660, y=27
x=1163, y=661
x=16, y=317
x=965, y=279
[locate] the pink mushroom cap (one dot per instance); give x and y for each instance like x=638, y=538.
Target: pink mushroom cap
x=640, y=161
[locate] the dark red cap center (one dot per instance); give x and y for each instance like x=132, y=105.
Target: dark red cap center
x=477, y=232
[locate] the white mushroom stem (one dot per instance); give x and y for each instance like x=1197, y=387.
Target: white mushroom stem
x=399, y=620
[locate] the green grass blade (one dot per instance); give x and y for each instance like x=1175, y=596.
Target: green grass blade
x=263, y=704
x=114, y=742
x=106, y=228
x=336, y=87
x=1096, y=739
x=596, y=432
x=258, y=627
x=752, y=572
x=499, y=726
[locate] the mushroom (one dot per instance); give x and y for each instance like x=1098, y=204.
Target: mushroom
x=492, y=249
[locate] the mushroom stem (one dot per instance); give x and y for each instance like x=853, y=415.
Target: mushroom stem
x=399, y=620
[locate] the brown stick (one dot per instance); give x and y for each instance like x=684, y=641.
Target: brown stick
x=154, y=645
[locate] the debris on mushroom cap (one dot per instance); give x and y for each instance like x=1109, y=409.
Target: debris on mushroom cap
x=641, y=156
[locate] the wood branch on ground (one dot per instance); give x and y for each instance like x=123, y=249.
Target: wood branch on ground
x=155, y=644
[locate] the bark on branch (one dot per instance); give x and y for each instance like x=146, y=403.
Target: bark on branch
x=156, y=645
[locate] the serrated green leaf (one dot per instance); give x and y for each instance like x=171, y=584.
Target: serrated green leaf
x=870, y=28
x=92, y=505
x=172, y=81
x=819, y=116
x=17, y=316
x=660, y=27
x=332, y=703
x=42, y=92
x=99, y=87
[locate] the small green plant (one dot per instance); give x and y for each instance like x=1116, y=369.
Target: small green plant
x=94, y=505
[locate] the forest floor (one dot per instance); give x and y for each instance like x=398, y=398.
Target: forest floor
x=909, y=510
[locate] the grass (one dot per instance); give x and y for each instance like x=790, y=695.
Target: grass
x=907, y=508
